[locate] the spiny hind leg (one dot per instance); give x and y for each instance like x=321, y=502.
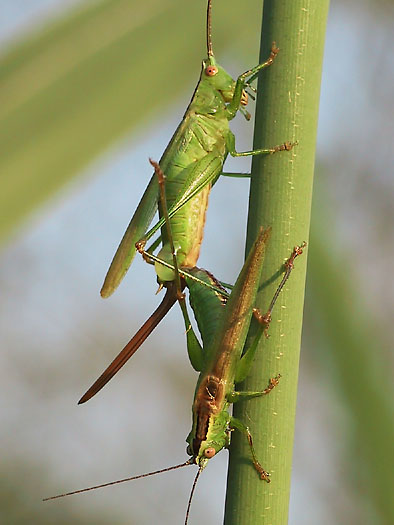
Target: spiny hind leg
x=193, y=345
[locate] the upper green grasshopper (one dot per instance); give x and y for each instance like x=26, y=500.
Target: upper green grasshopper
x=223, y=362
x=192, y=162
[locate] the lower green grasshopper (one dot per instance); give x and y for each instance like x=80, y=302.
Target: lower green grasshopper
x=222, y=362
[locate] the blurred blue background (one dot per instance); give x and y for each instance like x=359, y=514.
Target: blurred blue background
x=90, y=90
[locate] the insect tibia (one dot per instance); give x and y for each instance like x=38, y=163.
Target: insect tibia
x=264, y=475
x=238, y=425
x=252, y=74
x=266, y=319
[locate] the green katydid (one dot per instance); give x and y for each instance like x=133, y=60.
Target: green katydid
x=192, y=162
x=223, y=363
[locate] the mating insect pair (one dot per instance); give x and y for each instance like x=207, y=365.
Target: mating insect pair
x=223, y=362
x=192, y=162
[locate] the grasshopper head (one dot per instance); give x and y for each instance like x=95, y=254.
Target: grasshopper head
x=216, y=438
x=219, y=79
x=207, y=451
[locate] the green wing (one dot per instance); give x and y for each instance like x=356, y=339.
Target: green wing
x=142, y=217
x=126, y=251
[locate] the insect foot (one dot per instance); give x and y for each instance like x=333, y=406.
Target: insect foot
x=274, y=381
x=264, y=320
x=140, y=246
x=286, y=146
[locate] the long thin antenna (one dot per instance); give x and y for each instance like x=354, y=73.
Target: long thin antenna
x=209, y=29
x=188, y=462
x=191, y=495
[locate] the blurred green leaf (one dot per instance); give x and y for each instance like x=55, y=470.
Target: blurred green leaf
x=346, y=338
x=84, y=81
x=21, y=500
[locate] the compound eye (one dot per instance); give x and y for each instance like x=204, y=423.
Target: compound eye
x=211, y=71
x=209, y=452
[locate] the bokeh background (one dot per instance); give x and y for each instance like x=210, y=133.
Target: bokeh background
x=88, y=91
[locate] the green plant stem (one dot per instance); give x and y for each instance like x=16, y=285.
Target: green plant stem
x=281, y=191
